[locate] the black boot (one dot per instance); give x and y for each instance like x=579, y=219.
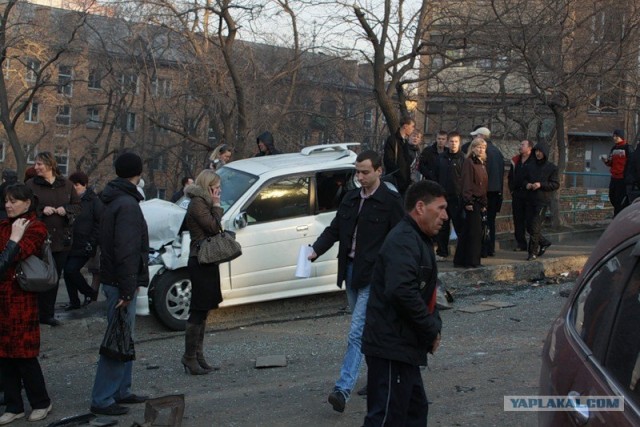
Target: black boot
x=200, y=351
x=189, y=361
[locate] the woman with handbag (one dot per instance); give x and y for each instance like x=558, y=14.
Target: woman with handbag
x=203, y=220
x=21, y=235
x=58, y=205
x=474, y=198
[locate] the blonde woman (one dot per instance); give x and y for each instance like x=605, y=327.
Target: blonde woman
x=203, y=220
x=474, y=201
x=221, y=155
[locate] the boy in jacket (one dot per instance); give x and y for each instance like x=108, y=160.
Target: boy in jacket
x=402, y=322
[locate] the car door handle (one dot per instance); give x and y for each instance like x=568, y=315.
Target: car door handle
x=302, y=228
x=580, y=413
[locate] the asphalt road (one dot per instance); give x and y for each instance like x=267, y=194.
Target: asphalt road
x=483, y=356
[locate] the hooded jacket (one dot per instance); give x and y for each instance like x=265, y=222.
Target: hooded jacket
x=267, y=139
x=124, y=239
x=544, y=172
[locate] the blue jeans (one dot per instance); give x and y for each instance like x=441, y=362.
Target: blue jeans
x=113, y=377
x=358, y=299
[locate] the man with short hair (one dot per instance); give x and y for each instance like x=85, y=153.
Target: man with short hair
x=362, y=221
x=519, y=193
x=402, y=322
x=398, y=155
x=124, y=241
x=186, y=181
x=448, y=173
x=617, y=161
x=495, y=174
x=429, y=156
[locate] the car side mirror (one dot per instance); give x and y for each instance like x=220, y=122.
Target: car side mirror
x=240, y=221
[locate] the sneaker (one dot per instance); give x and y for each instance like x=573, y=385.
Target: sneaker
x=113, y=409
x=8, y=417
x=39, y=414
x=440, y=258
x=543, y=249
x=531, y=257
x=337, y=400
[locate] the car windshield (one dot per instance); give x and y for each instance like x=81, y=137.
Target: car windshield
x=234, y=184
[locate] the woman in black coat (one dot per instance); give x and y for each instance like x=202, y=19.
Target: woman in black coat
x=203, y=220
x=86, y=230
x=474, y=200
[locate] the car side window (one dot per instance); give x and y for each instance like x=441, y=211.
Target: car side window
x=623, y=355
x=594, y=310
x=285, y=198
x=331, y=186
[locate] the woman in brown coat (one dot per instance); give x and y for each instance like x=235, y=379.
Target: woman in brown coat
x=203, y=219
x=58, y=204
x=474, y=197
x=21, y=235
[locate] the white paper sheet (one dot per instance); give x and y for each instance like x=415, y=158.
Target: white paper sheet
x=303, y=268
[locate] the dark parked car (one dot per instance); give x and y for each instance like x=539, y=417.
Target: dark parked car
x=593, y=348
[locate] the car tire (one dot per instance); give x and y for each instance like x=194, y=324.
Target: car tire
x=172, y=298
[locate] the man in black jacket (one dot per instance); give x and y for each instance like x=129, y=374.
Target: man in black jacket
x=540, y=181
x=429, y=156
x=403, y=323
x=448, y=173
x=398, y=155
x=364, y=218
x=124, y=242
x=518, y=193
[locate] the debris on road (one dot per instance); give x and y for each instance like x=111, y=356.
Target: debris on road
x=275, y=361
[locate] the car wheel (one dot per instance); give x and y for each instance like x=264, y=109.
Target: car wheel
x=172, y=297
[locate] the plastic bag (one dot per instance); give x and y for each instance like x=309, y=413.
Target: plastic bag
x=118, y=339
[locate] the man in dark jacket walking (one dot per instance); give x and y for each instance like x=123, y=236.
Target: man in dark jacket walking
x=266, y=146
x=448, y=173
x=540, y=180
x=124, y=241
x=403, y=323
x=398, y=155
x=364, y=218
x=518, y=193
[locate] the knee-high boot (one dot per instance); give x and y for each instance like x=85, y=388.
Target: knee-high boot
x=189, y=361
x=200, y=351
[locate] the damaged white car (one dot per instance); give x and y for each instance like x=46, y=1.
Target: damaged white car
x=274, y=204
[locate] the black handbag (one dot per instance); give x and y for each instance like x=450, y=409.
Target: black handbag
x=219, y=248
x=35, y=274
x=117, y=343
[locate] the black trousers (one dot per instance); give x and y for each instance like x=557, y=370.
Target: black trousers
x=47, y=300
x=534, y=220
x=75, y=281
x=617, y=191
x=519, y=212
x=494, y=204
x=27, y=372
x=395, y=394
x=454, y=206
x=469, y=247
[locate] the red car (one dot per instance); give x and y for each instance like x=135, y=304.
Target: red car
x=593, y=348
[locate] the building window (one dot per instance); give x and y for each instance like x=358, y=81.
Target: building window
x=95, y=80
x=159, y=163
x=63, y=116
x=31, y=153
x=368, y=119
x=191, y=126
x=33, y=68
x=162, y=122
x=161, y=88
x=93, y=117
x=128, y=122
x=62, y=158
x=607, y=25
x=605, y=98
x=3, y=147
x=65, y=83
x=161, y=193
x=128, y=83
x=31, y=113
x=6, y=67
x=212, y=138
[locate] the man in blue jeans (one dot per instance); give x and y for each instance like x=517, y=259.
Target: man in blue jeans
x=124, y=241
x=362, y=221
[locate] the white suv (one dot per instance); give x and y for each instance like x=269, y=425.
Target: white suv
x=275, y=204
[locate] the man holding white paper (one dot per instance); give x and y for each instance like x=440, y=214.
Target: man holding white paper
x=362, y=221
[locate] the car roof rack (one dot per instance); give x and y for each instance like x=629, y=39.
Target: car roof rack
x=342, y=146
